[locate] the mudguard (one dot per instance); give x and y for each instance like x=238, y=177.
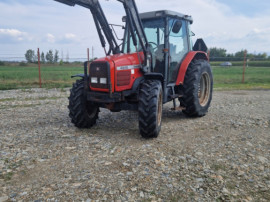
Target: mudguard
x=184, y=65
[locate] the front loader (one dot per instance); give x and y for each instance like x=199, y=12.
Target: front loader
x=155, y=64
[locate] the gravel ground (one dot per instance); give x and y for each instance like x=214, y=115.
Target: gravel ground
x=222, y=156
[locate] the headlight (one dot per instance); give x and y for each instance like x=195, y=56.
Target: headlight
x=103, y=80
x=94, y=80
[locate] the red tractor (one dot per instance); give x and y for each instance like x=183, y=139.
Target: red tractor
x=155, y=64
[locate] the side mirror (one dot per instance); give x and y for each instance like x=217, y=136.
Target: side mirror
x=177, y=27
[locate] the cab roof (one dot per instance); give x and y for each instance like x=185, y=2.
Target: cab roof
x=161, y=13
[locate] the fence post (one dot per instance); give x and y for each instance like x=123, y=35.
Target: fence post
x=244, y=66
x=40, y=86
x=88, y=55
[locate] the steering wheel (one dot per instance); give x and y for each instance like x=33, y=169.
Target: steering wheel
x=154, y=48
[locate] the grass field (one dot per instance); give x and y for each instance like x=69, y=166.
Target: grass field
x=13, y=77
x=230, y=78
x=225, y=78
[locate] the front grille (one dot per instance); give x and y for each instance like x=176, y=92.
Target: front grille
x=100, y=70
x=123, y=78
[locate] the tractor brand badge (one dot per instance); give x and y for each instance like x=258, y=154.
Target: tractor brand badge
x=97, y=69
x=128, y=67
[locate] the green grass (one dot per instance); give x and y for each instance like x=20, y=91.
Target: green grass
x=14, y=77
x=230, y=78
x=225, y=78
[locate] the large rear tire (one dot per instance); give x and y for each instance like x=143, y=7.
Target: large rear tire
x=198, y=88
x=150, y=108
x=83, y=114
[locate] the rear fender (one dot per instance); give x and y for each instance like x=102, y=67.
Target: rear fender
x=184, y=65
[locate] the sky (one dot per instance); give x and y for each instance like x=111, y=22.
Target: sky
x=30, y=24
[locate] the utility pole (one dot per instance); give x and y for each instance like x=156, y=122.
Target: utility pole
x=244, y=66
x=208, y=54
x=92, y=52
x=39, y=72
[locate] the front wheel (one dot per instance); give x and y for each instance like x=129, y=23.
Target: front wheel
x=83, y=114
x=150, y=108
x=198, y=88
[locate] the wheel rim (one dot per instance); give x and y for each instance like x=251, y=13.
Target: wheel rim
x=159, y=109
x=204, y=89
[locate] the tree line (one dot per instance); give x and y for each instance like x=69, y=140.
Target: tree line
x=50, y=57
x=220, y=54
x=216, y=54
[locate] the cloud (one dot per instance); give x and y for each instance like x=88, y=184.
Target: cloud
x=69, y=38
x=50, y=38
x=13, y=35
x=11, y=32
x=72, y=28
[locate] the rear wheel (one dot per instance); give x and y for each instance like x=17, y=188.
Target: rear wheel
x=198, y=87
x=83, y=114
x=150, y=108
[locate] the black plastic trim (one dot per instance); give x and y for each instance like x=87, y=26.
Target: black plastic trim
x=78, y=75
x=100, y=97
x=200, y=46
x=154, y=75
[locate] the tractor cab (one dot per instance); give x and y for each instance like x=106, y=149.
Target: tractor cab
x=169, y=39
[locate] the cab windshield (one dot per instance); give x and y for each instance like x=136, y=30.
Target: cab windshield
x=155, y=34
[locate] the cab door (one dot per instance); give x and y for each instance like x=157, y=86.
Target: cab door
x=178, y=46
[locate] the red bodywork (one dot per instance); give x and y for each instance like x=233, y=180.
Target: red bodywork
x=122, y=79
x=184, y=65
x=125, y=69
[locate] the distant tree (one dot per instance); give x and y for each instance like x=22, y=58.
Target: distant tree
x=217, y=53
x=56, y=56
x=262, y=56
x=42, y=58
x=240, y=55
x=230, y=56
x=250, y=56
x=2, y=63
x=49, y=56
x=30, y=56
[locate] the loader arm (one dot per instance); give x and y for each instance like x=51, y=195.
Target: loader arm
x=101, y=23
x=135, y=25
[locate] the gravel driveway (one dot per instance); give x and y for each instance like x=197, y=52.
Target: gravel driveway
x=222, y=156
